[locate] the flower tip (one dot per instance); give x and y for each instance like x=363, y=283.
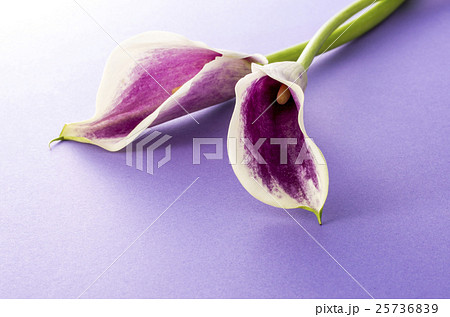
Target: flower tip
x=318, y=215
x=314, y=211
x=319, y=218
x=283, y=94
x=60, y=138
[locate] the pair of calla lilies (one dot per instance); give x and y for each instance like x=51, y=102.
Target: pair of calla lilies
x=158, y=76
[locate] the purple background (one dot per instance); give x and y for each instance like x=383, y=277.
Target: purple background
x=378, y=109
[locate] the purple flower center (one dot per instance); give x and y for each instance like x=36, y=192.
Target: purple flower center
x=278, y=121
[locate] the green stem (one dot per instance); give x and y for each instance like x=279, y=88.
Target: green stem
x=325, y=31
x=364, y=23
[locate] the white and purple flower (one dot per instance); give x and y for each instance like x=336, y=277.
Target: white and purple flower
x=158, y=76
x=290, y=167
x=155, y=77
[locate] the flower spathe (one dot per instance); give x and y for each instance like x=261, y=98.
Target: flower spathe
x=273, y=151
x=155, y=77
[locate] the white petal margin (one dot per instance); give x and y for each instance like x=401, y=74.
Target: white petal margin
x=287, y=73
x=120, y=66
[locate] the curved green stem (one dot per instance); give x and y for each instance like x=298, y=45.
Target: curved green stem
x=364, y=23
x=325, y=31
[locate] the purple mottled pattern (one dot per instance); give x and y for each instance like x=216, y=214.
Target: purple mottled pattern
x=215, y=86
x=165, y=69
x=278, y=121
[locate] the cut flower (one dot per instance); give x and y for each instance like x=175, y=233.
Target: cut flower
x=155, y=77
x=274, y=152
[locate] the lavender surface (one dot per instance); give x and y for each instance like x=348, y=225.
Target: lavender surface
x=377, y=108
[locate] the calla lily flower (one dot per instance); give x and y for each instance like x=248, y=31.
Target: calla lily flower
x=158, y=76
x=271, y=154
x=155, y=77
x=273, y=151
